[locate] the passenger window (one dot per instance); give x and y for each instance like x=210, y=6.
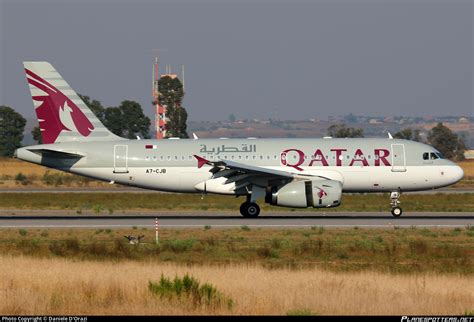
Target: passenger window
x=426, y=156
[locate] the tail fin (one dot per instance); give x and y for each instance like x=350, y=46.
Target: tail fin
x=62, y=115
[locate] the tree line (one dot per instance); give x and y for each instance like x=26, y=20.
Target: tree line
x=451, y=145
x=127, y=120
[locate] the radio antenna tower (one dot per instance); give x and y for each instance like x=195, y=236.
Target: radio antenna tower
x=159, y=111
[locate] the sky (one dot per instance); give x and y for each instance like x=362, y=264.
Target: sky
x=255, y=59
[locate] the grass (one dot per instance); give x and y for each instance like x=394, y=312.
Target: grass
x=401, y=251
x=59, y=286
x=189, y=291
x=98, y=203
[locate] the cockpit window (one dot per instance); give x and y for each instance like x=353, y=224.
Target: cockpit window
x=426, y=156
x=440, y=155
x=433, y=156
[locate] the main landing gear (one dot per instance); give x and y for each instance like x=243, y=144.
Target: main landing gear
x=250, y=209
x=394, y=202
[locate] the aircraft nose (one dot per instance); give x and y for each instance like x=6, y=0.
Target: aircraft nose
x=456, y=173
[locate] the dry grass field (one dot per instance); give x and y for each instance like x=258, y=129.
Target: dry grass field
x=298, y=272
x=34, y=286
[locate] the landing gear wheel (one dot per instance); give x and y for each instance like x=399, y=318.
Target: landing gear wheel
x=397, y=211
x=250, y=210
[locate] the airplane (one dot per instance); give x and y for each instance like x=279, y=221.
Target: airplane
x=286, y=172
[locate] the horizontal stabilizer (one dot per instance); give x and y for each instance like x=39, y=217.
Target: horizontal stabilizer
x=57, y=154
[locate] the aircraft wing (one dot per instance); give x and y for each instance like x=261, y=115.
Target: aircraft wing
x=226, y=168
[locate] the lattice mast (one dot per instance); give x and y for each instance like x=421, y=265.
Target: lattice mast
x=160, y=111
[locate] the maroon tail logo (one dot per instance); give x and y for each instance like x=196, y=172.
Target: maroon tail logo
x=322, y=193
x=54, y=104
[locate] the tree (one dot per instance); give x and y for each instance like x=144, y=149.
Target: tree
x=36, y=132
x=408, y=134
x=341, y=131
x=171, y=97
x=133, y=120
x=232, y=118
x=127, y=120
x=95, y=106
x=12, y=125
x=113, y=120
x=448, y=143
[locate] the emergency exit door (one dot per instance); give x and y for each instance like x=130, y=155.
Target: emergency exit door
x=120, y=159
x=398, y=158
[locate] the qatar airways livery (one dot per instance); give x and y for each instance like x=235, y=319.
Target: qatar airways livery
x=296, y=173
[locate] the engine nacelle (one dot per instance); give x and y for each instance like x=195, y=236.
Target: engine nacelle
x=303, y=194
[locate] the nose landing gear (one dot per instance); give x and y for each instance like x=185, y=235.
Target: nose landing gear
x=394, y=202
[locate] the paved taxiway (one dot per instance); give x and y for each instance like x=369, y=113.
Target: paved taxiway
x=267, y=220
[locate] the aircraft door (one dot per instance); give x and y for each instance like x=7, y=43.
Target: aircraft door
x=121, y=159
x=398, y=158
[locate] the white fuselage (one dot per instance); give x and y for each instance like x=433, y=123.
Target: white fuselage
x=362, y=165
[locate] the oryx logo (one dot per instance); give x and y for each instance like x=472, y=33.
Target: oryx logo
x=56, y=112
x=322, y=193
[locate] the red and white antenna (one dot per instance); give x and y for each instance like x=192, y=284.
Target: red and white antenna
x=159, y=111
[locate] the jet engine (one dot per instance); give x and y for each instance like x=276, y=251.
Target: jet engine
x=303, y=194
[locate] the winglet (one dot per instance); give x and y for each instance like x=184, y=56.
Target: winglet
x=390, y=136
x=195, y=137
x=201, y=161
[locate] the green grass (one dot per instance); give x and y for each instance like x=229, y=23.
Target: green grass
x=188, y=290
x=100, y=202
x=402, y=250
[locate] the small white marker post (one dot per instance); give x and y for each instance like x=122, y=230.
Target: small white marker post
x=156, y=230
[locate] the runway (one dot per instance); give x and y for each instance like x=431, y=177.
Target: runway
x=268, y=220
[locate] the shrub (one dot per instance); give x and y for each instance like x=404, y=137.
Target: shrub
x=23, y=179
x=179, y=246
x=245, y=228
x=189, y=291
x=418, y=247
x=267, y=252
x=300, y=312
x=23, y=232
